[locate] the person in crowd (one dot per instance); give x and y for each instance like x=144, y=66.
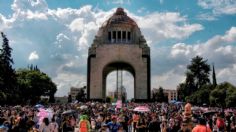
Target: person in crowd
x=104, y=128
x=26, y=118
x=134, y=121
x=113, y=125
x=154, y=125
x=220, y=123
x=184, y=127
x=53, y=126
x=201, y=127
x=163, y=125
x=84, y=125
x=141, y=125
x=44, y=127
x=66, y=127
x=172, y=127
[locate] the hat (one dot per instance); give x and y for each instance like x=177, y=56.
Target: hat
x=83, y=117
x=113, y=117
x=104, y=125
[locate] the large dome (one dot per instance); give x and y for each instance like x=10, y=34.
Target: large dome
x=119, y=18
x=119, y=29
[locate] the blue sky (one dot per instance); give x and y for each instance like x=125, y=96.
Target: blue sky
x=56, y=34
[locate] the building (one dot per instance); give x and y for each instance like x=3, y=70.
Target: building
x=74, y=91
x=62, y=100
x=119, y=45
x=171, y=94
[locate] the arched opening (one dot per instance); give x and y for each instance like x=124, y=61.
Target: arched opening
x=128, y=84
x=119, y=77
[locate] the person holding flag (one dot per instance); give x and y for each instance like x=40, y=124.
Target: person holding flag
x=84, y=125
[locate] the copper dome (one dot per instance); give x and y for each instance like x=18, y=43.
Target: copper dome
x=118, y=18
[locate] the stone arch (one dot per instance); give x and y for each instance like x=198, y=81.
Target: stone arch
x=112, y=67
x=103, y=53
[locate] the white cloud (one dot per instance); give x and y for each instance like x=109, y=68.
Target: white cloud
x=168, y=80
x=181, y=49
x=33, y=5
x=33, y=56
x=169, y=25
x=220, y=49
x=161, y=1
x=141, y=10
x=65, y=81
x=216, y=43
x=229, y=72
x=77, y=25
x=35, y=15
x=207, y=16
x=230, y=35
x=118, y=2
x=219, y=6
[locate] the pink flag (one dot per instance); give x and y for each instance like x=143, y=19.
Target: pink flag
x=119, y=104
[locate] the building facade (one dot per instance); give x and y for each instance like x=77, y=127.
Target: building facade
x=74, y=91
x=171, y=94
x=119, y=44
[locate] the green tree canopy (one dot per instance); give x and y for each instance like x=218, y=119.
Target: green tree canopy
x=224, y=95
x=33, y=84
x=81, y=95
x=197, y=73
x=201, y=96
x=197, y=76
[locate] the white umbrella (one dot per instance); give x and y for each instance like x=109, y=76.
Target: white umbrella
x=68, y=112
x=142, y=109
x=83, y=107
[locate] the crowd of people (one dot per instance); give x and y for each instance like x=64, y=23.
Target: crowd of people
x=105, y=117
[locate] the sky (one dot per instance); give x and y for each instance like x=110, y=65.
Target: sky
x=55, y=35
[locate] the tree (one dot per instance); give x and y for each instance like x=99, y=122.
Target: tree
x=182, y=91
x=159, y=95
x=33, y=84
x=224, y=95
x=8, y=83
x=197, y=74
x=214, y=76
x=69, y=99
x=81, y=95
x=201, y=96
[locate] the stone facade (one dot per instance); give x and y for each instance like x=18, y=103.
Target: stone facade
x=172, y=94
x=118, y=44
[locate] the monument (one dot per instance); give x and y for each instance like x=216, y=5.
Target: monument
x=118, y=45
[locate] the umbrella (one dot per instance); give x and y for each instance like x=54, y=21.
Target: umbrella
x=178, y=102
x=68, y=112
x=83, y=107
x=209, y=113
x=17, y=106
x=42, y=114
x=195, y=108
x=228, y=111
x=173, y=101
x=142, y=109
x=38, y=106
